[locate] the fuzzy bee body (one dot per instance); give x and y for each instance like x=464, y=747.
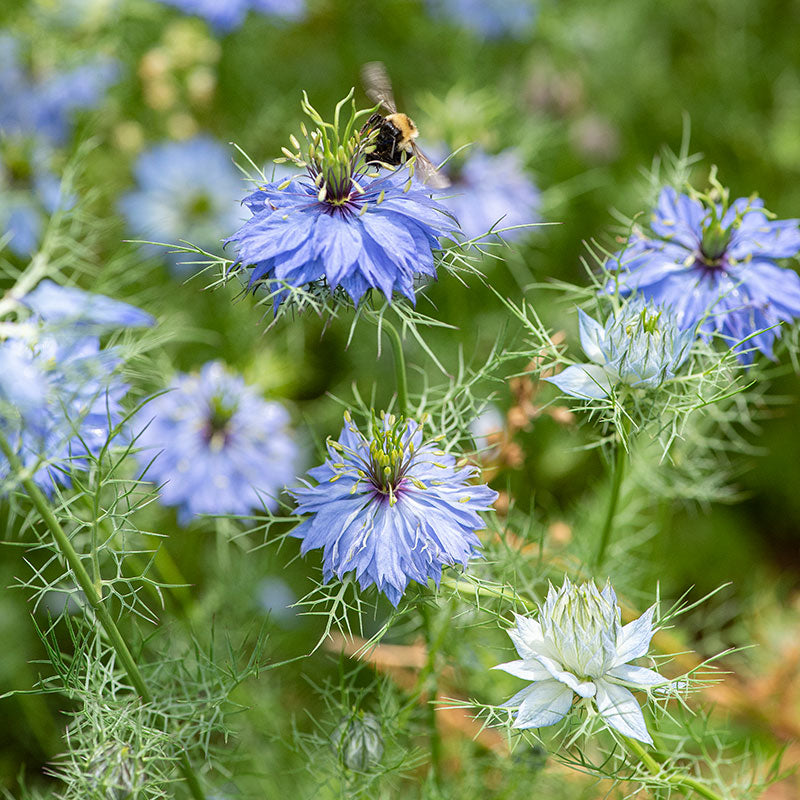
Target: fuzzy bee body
x=394, y=132
x=393, y=138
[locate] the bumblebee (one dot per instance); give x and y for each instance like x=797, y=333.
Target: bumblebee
x=395, y=132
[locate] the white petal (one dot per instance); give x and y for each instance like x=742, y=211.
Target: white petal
x=634, y=638
x=583, y=380
x=619, y=709
x=545, y=704
x=583, y=688
x=527, y=670
x=638, y=675
x=591, y=333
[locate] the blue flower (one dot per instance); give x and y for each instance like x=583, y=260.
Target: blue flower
x=715, y=267
x=216, y=446
x=60, y=398
x=44, y=108
x=492, y=18
x=492, y=191
x=29, y=193
x=579, y=647
x=226, y=15
x=392, y=508
x=186, y=190
x=368, y=232
x=640, y=346
x=75, y=309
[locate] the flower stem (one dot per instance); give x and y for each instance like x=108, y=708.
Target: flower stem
x=617, y=474
x=429, y=675
x=685, y=781
x=94, y=598
x=399, y=366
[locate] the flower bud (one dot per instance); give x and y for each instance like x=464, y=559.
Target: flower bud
x=358, y=741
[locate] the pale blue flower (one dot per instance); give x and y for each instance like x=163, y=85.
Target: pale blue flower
x=215, y=446
x=491, y=18
x=491, y=191
x=226, y=15
x=77, y=310
x=391, y=508
x=578, y=646
x=639, y=346
x=185, y=191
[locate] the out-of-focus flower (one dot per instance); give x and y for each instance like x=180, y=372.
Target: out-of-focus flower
x=43, y=109
x=492, y=191
x=74, y=308
x=578, y=646
x=30, y=192
x=492, y=18
x=70, y=403
x=186, y=190
x=487, y=429
x=358, y=741
x=216, y=446
x=640, y=346
x=392, y=507
x=226, y=15
x=715, y=265
x=276, y=597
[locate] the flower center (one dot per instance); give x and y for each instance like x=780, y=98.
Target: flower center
x=389, y=459
x=645, y=322
x=200, y=205
x=714, y=244
x=218, y=423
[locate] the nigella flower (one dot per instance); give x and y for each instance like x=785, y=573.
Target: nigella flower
x=715, y=265
x=30, y=192
x=75, y=309
x=44, y=108
x=342, y=224
x=492, y=18
x=640, y=346
x=491, y=191
x=226, y=15
x=578, y=646
x=186, y=190
x=216, y=446
x=390, y=507
x=60, y=399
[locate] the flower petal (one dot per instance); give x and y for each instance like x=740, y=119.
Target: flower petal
x=637, y=675
x=583, y=688
x=543, y=704
x=634, y=639
x=583, y=380
x=527, y=670
x=618, y=707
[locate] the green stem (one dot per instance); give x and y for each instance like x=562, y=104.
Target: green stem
x=93, y=597
x=399, y=366
x=429, y=678
x=617, y=474
x=685, y=781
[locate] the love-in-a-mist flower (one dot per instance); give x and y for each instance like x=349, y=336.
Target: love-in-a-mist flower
x=215, y=446
x=342, y=223
x=715, y=264
x=640, y=346
x=60, y=391
x=578, y=646
x=390, y=507
x=492, y=18
x=491, y=191
x=186, y=191
x=226, y=15
x=60, y=398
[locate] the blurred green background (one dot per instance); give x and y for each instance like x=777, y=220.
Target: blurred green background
x=588, y=94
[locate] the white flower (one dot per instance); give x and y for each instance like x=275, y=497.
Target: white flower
x=579, y=646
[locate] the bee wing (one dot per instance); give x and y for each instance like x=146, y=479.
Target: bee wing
x=428, y=172
x=377, y=85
